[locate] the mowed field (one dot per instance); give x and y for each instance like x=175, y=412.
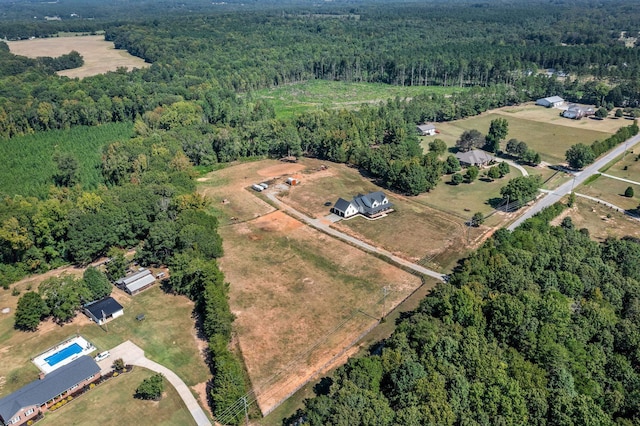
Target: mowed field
x=99, y=55
x=167, y=335
x=429, y=229
x=541, y=128
x=301, y=298
x=612, y=191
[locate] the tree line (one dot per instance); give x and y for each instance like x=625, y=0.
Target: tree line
x=537, y=327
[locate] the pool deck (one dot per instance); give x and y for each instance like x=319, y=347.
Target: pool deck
x=43, y=365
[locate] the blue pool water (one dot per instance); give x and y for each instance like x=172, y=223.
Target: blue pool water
x=63, y=354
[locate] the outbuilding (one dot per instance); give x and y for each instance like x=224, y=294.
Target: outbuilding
x=426, y=129
x=550, y=102
x=103, y=310
x=135, y=283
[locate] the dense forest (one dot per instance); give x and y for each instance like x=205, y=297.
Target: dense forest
x=538, y=327
x=535, y=328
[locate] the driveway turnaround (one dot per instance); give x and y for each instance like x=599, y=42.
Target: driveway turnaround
x=134, y=355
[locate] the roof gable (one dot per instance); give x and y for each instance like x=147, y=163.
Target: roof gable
x=105, y=307
x=40, y=391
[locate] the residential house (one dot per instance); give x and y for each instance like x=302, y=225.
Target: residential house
x=103, y=310
x=475, y=157
x=551, y=102
x=576, y=112
x=370, y=205
x=135, y=283
x=35, y=398
x=426, y=129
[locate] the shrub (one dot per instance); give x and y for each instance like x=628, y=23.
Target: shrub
x=150, y=388
x=628, y=192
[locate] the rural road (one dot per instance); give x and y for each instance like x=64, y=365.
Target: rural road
x=579, y=177
x=319, y=225
x=134, y=355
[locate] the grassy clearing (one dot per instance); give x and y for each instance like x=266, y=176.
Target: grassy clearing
x=601, y=221
x=612, y=191
x=99, y=55
x=167, y=335
x=27, y=161
x=113, y=404
x=627, y=167
x=551, y=139
x=297, y=98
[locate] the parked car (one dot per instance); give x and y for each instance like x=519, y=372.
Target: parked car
x=102, y=355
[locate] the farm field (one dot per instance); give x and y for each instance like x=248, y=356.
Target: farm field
x=631, y=162
x=300, y=298
x=551, y=138
x=99, y=55
x=292, y=99
x=167, y=335
x=113, y=403
x=601, y=221
x=32, y=156
x=612, y=191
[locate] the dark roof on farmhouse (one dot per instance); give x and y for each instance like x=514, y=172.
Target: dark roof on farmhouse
x=475, y=156
x=40, y=391
x=365, y=202
x=341, y=204
x=108, y=305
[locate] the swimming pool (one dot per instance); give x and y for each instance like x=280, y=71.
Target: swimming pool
x=63, y=354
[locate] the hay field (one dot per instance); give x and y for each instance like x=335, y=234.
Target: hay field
x=300, y=298
x=99, y=55
x=541, y=128
x=612, y=191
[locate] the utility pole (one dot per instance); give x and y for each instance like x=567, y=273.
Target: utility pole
x=385, y=292
x=246, y=412
x=506, y=210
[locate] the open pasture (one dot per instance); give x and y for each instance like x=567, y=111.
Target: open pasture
x=550, y=138
x=627, y=167
x=292, y=99
x=601, y=221
x=612, y=191
x=301, y=298
x=429, y=228
x=99, y=55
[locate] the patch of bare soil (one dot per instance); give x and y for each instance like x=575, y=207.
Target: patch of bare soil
x=99, y=55
x=201, y=390
x=280, y=170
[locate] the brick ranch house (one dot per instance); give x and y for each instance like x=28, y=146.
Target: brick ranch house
x=35, y=398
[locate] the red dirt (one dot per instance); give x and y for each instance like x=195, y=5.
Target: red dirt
x=280, y=169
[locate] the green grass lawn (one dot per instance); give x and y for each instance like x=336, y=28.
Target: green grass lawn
x=112, y=403
x=294, y=99
x=550, y=140
x=627, y=167
x=166, y=335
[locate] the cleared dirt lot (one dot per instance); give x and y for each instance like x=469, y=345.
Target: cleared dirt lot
x=300, y=298
x=99, y=55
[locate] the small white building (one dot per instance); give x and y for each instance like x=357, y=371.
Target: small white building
x=103, y=310
x=550, y=102
x=426, y=129
x=134, y=284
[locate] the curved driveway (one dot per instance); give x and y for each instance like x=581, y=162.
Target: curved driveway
x=134, y=355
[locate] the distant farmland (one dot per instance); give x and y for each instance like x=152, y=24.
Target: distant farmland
x=99, y=55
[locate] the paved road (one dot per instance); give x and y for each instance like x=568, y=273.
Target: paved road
x=321, y=226
x=567, y=187
x=134, y=355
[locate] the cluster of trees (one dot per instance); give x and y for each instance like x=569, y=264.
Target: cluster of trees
x=580, y=155
x=538, y=327
x=521, y=190
x=61, y=298
x=151, y=388
x=520, y=150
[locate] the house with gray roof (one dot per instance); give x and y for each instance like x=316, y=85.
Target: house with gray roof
x=426, y=129
x=369, y=205
x=35, y=398
x=475, y=157
x=103, y=310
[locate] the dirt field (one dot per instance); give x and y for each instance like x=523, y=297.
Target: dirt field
x=601, y=221
x=99, y=55
x=300, y=298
